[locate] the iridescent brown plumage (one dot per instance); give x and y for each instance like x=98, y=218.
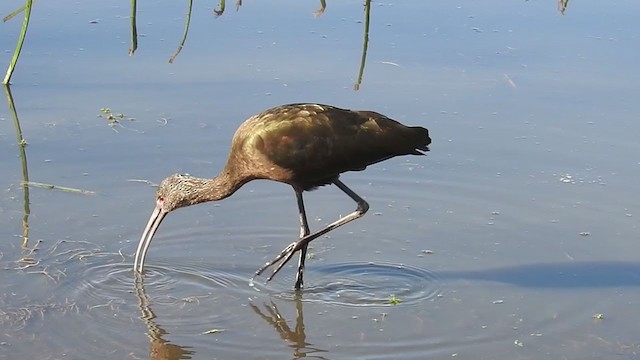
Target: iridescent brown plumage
x=303, y=145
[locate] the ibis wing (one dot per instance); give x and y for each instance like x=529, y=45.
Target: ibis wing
x=318, y=144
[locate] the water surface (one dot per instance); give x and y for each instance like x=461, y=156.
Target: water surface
x=515, y=238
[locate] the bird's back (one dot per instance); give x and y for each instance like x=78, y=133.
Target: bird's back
x=309, y=145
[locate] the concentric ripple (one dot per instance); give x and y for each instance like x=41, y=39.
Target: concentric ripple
x=106, y=280
x=369, y=284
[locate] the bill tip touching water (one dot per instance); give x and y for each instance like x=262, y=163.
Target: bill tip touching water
x=303, y=145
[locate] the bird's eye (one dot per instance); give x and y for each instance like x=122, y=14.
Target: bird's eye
x=160, y=198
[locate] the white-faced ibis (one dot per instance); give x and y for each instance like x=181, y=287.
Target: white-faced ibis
x=303, y=145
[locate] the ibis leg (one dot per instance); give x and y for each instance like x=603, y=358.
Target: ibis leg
x=304, y=231
x=286, y=254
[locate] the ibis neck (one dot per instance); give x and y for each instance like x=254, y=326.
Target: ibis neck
x=218, y=188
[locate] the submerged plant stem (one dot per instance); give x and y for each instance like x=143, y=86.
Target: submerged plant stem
x=61, y=188
x=22, y=144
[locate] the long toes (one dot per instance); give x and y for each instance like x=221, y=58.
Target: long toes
x=286, y=254
x=262, y=269
x=282, y=263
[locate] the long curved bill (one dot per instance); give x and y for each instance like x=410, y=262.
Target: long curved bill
x=154, y=221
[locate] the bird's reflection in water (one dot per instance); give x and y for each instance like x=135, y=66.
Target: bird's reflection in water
x=295, y=338
x=160, y=349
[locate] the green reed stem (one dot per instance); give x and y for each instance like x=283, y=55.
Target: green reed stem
x=22, y=144
x=220, y=9
x=134, y=28
x=184, y=34
x=23, y=33
x=365, y=45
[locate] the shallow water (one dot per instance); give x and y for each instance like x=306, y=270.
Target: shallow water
x=515, y=238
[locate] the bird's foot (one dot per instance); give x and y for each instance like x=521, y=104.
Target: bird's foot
x=279, y=261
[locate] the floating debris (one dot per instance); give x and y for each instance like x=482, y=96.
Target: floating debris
x=394, y=300
x=518, y=343
x=568, y=179
x=510, y=81
x=114, y=119
x=57, y=187
x=389, y=63
x=144, y=181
